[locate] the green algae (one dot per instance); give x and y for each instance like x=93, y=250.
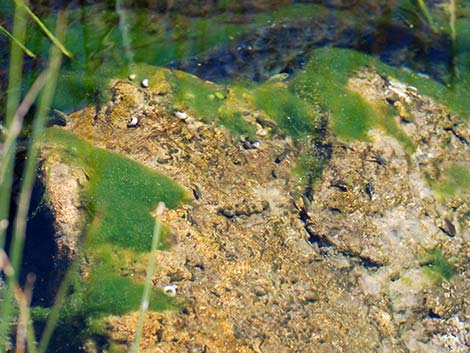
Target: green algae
x=324, y=82
x=81, y=315
x=324, y=79
x=111, y=294
x=209, y=102
x=291, y=113
x=438, y=267
x=454, y=179
x=309, y=168
x=119, y=196
x=202, y=98
x=120, y=193
x=237, y=125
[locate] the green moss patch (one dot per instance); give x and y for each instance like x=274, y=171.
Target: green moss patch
x=104, y=294
x=438, y=266
x=325, y=76
x=292, y=114
x=202, y=98
x=323, y=82
x=111, y=294
x=209, y=102
x=120, y=194
x=454, y=179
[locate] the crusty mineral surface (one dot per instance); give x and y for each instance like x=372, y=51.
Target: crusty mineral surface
x=259, y=269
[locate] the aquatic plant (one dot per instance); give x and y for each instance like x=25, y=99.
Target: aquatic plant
x=13, y=118
x=292, y=114
x=438, y=266
x=454, y=179
x=125, y=181
x=119, y=197
x=114, y=182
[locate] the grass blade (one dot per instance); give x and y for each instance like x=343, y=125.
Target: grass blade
x=19, y=231
x=23, y=298
x=8, y=149
x=48, y=33
x=25, y=330
x=148, y=279
x=427, y=14
x=26, y=50
x=31, y=162
x=15, y=73
x=13, y=99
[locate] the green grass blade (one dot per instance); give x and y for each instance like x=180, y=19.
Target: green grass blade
x=31, y=337
x=48, y=33
x=427, y=14
x=9, y=35
x=45, y=101
x=148, y=279
x=7, y=153
x=13, y=99
x=19, y=231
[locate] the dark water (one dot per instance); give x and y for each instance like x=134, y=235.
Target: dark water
x=226, y=40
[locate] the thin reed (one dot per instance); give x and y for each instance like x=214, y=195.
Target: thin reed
x=43, y=92
x=148, y=279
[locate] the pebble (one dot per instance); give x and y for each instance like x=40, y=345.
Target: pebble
x=181, y=115
x=132, y=77
x=145, y=83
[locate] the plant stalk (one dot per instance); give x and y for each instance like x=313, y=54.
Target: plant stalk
x=13, y=99
x=16, y=249
x=148, y=280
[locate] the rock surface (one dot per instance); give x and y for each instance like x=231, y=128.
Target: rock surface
x=258, y=268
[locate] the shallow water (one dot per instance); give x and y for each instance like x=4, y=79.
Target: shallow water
x=223, y=41
x=248, y=45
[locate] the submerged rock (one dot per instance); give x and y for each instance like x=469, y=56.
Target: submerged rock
x=371, y=261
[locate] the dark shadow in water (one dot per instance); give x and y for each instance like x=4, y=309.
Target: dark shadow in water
x=285, y=47
x=40, y=249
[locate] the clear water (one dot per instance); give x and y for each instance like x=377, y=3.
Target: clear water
x=249, y=43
